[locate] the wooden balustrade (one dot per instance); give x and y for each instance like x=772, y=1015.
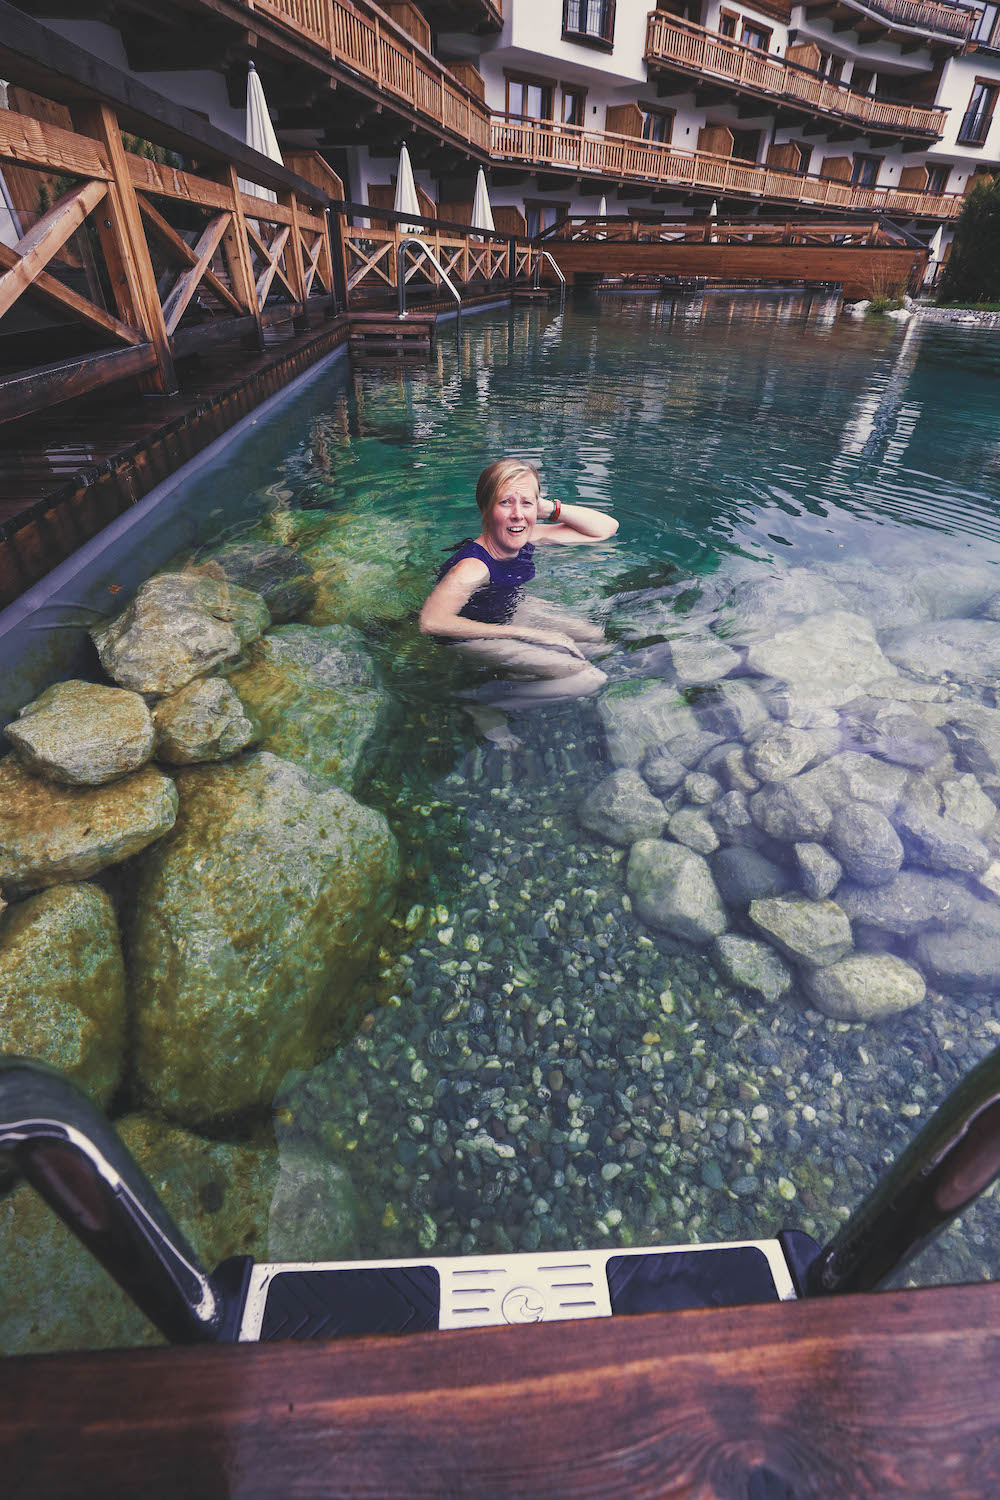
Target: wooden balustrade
x=543, y=143
x=466, y=256
x=365, y=40
x=694, y=49
x=920, y=15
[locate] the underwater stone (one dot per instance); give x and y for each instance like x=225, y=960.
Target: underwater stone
x=703, y=658
x=853, y=776
x=865, y=843
x=734, y=709
x=882, y=597
x=673, y=889
x=314, y=1211
x=908, y=904
x=51, y=835
x=905, y=740
x=204, y=721
x=758, y=605
x=826, y=658
x=367, y=567
x=791, y=811
x=966, y=803
x=974, y=732
x=248, y=930
x=62, y=986
x=690, y=826
x=178, y=626
x=693, y=746
x=83, y=734
x=278, y=574
x=941, y=844
x=736, y=773
x=640, y=716
x=314, y=692
x=967, y=650
x=622, y=809
x=742, y=876
x=864, y=987
x=730, y=817
x=948, y=590
x=753, y=965
x=780, y=753
x=812, y=932
x=662, y=771
x=964, y=960
x=699, y=787
x=819, y=872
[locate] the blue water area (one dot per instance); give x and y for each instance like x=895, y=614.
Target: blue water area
x=560, y=1045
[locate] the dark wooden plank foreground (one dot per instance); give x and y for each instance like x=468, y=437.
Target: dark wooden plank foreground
x=893, y=1395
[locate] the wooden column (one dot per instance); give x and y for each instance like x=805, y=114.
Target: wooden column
x=236, y=249
x=294, y=261
x=123, y=241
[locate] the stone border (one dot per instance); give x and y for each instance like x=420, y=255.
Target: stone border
x=964, y=317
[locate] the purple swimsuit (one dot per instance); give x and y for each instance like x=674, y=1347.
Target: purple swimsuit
x=496, y=601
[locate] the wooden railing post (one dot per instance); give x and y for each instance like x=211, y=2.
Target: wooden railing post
x=337, y=251
x=294, y=261
x=236, y=249
x=123, y=241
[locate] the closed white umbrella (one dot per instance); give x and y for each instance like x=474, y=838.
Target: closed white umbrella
x=406, y=201
x=602, y=211
x=259, y=133
x=935, y=245
x=713, y=212
x=482, y=213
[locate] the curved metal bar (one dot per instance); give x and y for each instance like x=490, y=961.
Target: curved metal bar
x=946, y=1166
x=412, y=239
x=537, y=275
x=74, y=1158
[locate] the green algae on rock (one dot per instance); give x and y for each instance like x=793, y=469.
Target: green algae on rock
x=57, y=1297
x=178, y=626
x=62, y=986
x=204, y=721
x=83, y=734
x=314, y=692
x=249, y=931
x=50, y=835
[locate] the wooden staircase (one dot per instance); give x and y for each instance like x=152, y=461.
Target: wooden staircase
x=381, y=335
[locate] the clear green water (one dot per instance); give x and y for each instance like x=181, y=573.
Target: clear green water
x=537, y=1067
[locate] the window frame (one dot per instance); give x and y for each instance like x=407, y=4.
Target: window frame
x=934, y=168
x=603, y=39
x=992, y=87
x=542, y=206
x=756, y=29
x=861, y=160
x=974, y=36
x=659, y=112
x=531, y=80
x=731, y=18
x=581, y=93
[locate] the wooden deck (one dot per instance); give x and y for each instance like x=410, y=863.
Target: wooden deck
x=889, y=1396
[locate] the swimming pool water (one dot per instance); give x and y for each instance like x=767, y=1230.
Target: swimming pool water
x=538, y=1066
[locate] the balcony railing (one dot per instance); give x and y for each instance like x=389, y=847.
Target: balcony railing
x=363, y=39
x=917, y=15
x=601, y=153
x=693, y=49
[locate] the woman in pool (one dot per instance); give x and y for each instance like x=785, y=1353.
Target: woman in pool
x=478, y=601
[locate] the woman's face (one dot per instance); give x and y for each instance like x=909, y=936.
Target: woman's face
x=508, y=525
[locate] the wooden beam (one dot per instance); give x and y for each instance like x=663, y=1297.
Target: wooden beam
x=236, y=249
x=34, y=390
x=187, y=283
x=183, y=250
x=35, y=249
x=67, y=300
x=37, y=143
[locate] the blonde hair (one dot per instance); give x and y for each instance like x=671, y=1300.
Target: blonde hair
x=495, y=478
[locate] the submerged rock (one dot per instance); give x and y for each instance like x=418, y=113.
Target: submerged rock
x=865, y=843
x=819, y=872
x=752, y=965
x=967, y=650
x=178, y=626
x=314, y=692
x=83, y=734
x=50, y=835
x=622, y=809
x=673, y=889
x=690, y=826
x=702, y=658
x=204, y=721
x=743, y=876
x=964, y=959
x=864, y=987
x=62, y=986
x=941, y=844
x=278, y=574
x=641, y=716
x=826, y=658
x=908, y=904
x=248, y=931
x=780, y=753
x=812, y=932
x=792, y=811
x=314, y=1211
x=662, y=771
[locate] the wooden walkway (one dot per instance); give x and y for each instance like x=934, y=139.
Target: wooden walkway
x=890, y=1396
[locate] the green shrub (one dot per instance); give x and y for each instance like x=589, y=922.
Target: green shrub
x=972, y=273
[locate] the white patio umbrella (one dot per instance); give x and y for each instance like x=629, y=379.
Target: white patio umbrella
x=713, y=212
x=935, y=245
x=260, y=134
x=602, y=212
x=482, y=213
x=406, y=200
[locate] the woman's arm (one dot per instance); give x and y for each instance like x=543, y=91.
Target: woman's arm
x=574, y=524
x=441, y=614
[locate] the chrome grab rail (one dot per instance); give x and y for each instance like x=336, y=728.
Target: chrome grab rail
x=413, y=239
x=537, y=277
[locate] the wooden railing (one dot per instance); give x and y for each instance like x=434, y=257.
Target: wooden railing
x=466, y=255
x=920, y=15
x=601, y=153
x=694, y=49
x=363, y=39
x=221, y=264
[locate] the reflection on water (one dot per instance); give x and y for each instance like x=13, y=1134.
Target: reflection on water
x=699, y=957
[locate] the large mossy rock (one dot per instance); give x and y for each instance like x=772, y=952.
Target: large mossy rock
x=248, y=931
x=204, y=721
x=314, y=693
x=51, y=835
x=55, y=1294
x=673, y=890
x=83, y=734
x=278, y=574
x=366, y=567
x=179, y=626
x=62, y=986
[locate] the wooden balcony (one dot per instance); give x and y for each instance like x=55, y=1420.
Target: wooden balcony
x=360, y=37
x=683, y=47
x=595, y=153
x=875, y=18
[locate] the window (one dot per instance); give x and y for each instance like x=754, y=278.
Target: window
x=831, y=67
x=975, y=124
x=539, y=216
x=574, y=103
x=864, y=172
x=727, y=22
x=986, y=20
x=591, y=21
x=755, y=36
x=863, y=80
x=657, y=124
x=529, y=98
x=937, y=179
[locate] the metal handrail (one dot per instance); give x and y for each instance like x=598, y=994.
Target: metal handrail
x=412, y=239
x=537, y=276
